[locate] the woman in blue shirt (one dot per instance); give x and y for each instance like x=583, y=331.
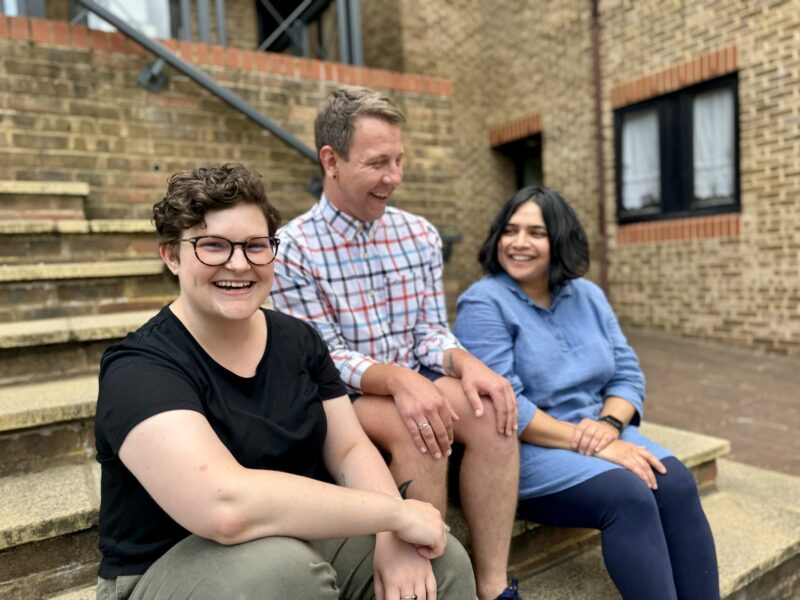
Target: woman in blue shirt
x=583, y=462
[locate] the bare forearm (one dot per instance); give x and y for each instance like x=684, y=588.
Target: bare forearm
x=618, y=408
x=270, y=503
x=544, y=430
x=382, y=379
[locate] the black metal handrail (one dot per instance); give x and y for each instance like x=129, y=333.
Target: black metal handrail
x=200, y=77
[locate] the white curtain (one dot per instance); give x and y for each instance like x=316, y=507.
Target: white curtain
x=151, y=17
x=641, y=160
x=10, y=8
x=713, y=146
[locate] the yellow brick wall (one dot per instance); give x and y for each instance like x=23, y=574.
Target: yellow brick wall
x=73, y=111
x=738, y=288
x=509, y=60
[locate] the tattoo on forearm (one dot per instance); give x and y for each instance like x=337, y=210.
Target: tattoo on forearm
x=450, y=367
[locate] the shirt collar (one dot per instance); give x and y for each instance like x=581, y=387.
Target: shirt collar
x=511, y=284
x=349, y=227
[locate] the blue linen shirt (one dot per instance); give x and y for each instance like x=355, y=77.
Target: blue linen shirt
x=564, y=360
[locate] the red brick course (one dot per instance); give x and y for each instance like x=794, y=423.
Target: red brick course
x=57, y=33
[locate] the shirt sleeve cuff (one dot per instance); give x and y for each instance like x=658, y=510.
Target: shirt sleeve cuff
x=526, y=410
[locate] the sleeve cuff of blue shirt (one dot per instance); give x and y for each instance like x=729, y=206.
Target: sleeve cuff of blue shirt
x=526, y=412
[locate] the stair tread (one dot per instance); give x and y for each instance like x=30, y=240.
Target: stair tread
x=86, y=593
x=54, y=188
x=49, y=503
x=81, y=270
x=34, y=404
x=32, y=226
x=71, y=329
x=753, y=530
x=690, y=447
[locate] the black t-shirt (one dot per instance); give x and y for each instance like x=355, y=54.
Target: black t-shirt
x=273, y=420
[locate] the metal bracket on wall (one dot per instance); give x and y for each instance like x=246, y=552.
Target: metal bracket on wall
x=152, y=77
x=448, y=240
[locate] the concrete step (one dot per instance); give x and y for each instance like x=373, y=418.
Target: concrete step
x=67, y=346
x=84, y=593
x=48, y=290
x=48, y=537
x=43, y=199
x=46, y=424
x=23, y=242
x=755, y=517
x=535, y=547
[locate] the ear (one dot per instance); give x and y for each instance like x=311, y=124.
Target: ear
x=329, y=160
x=170, y=258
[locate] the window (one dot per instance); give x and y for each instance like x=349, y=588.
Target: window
x=526, y=154
x=678, y=154
x=151, y=17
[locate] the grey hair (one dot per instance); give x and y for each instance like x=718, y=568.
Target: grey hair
x=336, y=120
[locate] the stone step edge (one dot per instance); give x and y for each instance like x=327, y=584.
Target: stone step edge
x=74, y=226
x=54, y=188
x=49, y=503
x=84, y=593
x=47, y=403
x=81, y=270
x=70, y=329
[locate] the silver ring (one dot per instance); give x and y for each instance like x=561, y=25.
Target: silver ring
x=421, y=426
x=446, y=528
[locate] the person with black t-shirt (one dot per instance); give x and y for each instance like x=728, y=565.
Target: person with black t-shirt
x=233, y=465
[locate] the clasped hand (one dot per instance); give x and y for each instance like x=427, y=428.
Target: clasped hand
x=402, y=558
x=636, y=459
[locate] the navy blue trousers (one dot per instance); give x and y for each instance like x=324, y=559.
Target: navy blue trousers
x=657, y=545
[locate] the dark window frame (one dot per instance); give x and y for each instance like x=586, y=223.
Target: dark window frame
x=676, y=153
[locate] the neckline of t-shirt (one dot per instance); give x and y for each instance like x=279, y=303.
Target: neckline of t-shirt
x=262, y=364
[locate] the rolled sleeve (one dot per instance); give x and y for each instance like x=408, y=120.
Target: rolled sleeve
x=628, y=380
x=485, y=331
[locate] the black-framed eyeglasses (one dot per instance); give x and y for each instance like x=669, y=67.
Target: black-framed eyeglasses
x=215, y=251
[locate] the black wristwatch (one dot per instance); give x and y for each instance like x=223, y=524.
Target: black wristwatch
x=613, y=421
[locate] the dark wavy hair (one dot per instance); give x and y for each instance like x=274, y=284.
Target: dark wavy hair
x=192, y=194
x=569, y=247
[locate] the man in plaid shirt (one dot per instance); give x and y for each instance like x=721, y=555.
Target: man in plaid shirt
x=369, y=278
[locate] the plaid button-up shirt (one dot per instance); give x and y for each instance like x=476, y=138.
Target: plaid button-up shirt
x=372, y=290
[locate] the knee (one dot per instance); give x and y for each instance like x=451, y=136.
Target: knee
x=630, y=499
x=287, y=567
x=678, y=485
x=482, y=434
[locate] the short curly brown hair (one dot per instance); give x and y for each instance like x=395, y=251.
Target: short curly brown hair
x=192, y=194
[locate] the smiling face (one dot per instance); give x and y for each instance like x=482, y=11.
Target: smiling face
x=362, y=185
x=234, y=290
x=523, y=249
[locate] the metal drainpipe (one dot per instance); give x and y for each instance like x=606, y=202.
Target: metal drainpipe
x=597, y=73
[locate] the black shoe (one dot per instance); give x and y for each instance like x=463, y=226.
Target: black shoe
x=510, y=593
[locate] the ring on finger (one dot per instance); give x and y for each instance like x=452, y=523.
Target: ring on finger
x=411, y=597
x=421, y=426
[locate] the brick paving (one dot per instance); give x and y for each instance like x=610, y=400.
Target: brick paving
x=748, y=397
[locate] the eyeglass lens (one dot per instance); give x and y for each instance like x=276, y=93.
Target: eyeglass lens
x=215, y=251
